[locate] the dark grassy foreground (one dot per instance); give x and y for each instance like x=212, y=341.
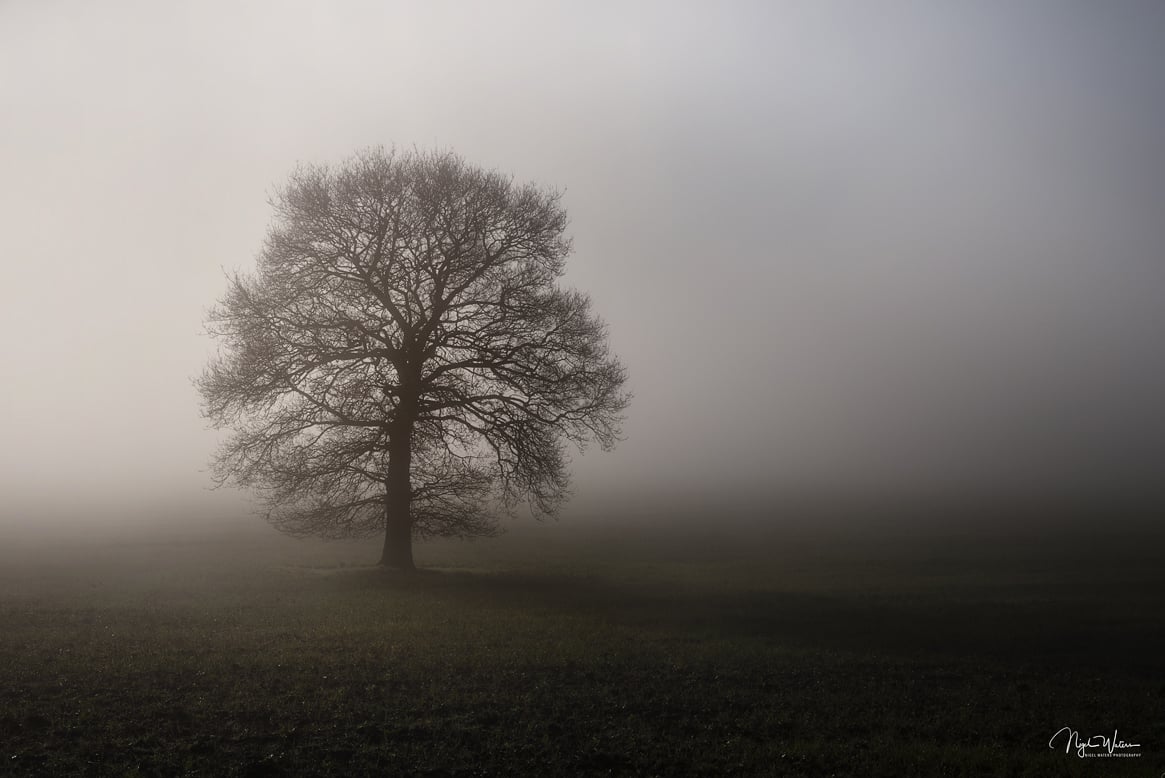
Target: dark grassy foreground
x=559, y=650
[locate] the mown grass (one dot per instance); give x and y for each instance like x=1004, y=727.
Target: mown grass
x=570, y=651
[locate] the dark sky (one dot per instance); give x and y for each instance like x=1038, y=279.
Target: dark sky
x=839, y=245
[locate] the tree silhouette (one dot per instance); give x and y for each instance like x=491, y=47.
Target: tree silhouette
x=404, y=360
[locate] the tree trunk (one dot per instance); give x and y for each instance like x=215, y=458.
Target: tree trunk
x=398, y=497
x=398, y=543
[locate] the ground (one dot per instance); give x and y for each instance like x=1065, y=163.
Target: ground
x=583, y=649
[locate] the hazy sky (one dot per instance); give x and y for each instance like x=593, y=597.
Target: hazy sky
x=891, y=244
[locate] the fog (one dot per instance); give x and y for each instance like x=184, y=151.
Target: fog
x=843, y=248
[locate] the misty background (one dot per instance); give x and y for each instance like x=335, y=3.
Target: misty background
x=842, y=247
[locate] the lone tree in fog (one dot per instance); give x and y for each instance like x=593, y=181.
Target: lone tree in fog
x=404, y=360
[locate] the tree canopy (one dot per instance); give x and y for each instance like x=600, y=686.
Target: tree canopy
x=404, y=358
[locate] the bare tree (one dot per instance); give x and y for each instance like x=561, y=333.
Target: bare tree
x=404, y=360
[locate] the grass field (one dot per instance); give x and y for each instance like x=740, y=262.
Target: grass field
x=583, y=650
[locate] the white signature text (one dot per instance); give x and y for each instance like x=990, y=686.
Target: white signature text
x=1107, y=746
